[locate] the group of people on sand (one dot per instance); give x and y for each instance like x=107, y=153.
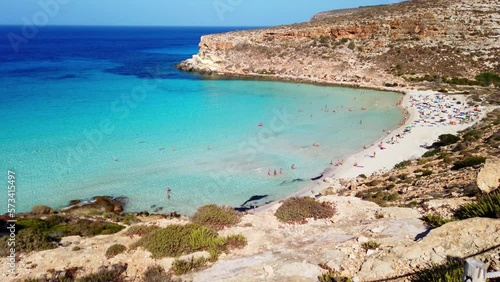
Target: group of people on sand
x=338, y=163
x=438, y=109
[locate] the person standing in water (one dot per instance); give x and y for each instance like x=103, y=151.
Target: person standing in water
x=168, y=192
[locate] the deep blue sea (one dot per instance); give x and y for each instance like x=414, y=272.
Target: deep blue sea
x=89, y=111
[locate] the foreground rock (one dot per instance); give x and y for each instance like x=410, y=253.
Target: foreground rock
x=488, y=178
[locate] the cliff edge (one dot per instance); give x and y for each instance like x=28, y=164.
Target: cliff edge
x=404, y=44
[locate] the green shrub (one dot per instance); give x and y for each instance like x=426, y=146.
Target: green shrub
x=140, y=230
x=370, y=245
x=157, y=274
x=402, y=164
x=236, y=241
x=488, y=78
x=216, y=217
x=485, y=206
x=89, y=228
x=344, y=40
x=332, y=276
x=446, y=139
x=426, y=172
x=57, y=226
x=113, y=273
x=115, y=250
x=176, y=240
x=468, y=162
x=434, y=220
x=431, y=153
x=181, y=267
x=472, y=135
x=129, y=219
x=450, y=271
x=76, y=249
x=362, y=176
x=298, y=210
x=351, y=45
x=28, y=240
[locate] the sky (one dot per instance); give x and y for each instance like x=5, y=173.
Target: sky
x=169, y=12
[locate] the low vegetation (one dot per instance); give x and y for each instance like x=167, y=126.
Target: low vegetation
x=181, y=267
x=370, y=245
x=434, y=220
x=402, y=164
x=216, y=217
x=333, y=276
x=115, y=273
x=176, y=240
x=115, y=250
x=140, y=230
x=485, y=206
x=298, y=210
x=431, y=153
x=445, y=140
x=35, y=234
x=450, y=271
x=28, y=240
x=157, y=274
x=468, y=162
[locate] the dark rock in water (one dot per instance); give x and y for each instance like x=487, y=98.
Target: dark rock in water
x=174, y=215
x=74, y=202
x=158, y=209
x=292, y=181
x=317, y=177
x=102, y=203
x=153, y=206
x=254, y=198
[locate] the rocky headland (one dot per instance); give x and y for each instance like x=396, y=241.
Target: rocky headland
x=413, y=43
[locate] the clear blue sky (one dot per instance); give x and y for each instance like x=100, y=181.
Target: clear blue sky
x=172, y=12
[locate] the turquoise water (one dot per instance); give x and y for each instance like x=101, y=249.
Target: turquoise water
x=83, y=125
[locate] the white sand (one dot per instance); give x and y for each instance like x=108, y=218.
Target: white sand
x=406, y=148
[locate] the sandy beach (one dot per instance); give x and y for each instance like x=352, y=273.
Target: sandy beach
x=423, y=126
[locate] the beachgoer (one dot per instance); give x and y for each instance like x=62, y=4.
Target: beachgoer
x=208, y=147
x=374, y=154
x=269, y=172
x=173, y=148
x=281, y=171
x=360, y=121
x=115, y=158
x=293, y=166
x=274, y=172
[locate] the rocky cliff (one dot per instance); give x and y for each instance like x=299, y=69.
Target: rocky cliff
x=368, y=46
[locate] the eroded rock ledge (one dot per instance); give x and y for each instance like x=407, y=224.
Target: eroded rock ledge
x=371, y=46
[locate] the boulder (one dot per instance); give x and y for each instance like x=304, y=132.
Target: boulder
x=489, y=176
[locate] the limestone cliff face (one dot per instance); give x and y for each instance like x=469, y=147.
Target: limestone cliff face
x=365, y=46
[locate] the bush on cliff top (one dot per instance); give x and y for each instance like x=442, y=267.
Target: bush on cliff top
x=298, y=210
x=216, y=217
